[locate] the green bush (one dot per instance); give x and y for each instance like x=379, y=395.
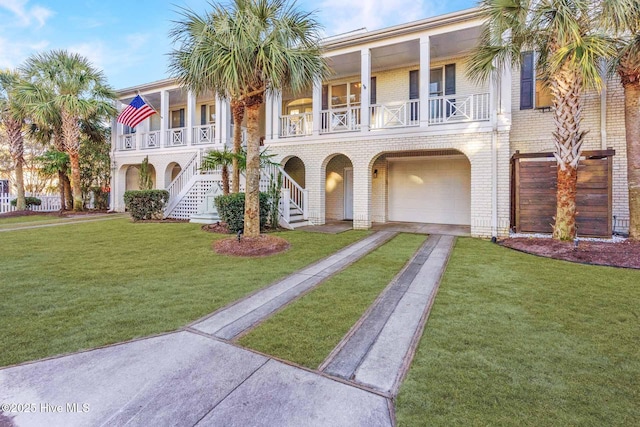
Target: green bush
x=231, y=210
x=100, y=198
x=146, y=204
x=29, y=201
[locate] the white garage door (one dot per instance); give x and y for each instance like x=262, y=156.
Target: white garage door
x=430, y=189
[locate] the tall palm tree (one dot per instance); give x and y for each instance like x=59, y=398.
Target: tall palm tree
x=68, y=83
x=569, y=51
x=241, y=51
x=237, y=110
x=12, y=116
x=622, y=17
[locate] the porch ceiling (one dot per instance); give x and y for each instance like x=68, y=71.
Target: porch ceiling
x=390, y=56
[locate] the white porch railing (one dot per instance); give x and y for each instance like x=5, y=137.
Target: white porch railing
x=151, y=140
x=48, y=204
x=297, y=194
x=176, y=137
x=395, y=114
x=296, y=125
x=127, y=142
x=204, y=134
x=340, y=120
x=459, y=108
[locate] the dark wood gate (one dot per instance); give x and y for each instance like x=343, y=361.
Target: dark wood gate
x=533, y=193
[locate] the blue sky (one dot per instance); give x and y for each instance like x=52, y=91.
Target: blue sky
x=128, y=39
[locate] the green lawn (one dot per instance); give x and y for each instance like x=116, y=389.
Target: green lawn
x=306, y=331
x=27, y=220
x=90, y=284
x=515, y=339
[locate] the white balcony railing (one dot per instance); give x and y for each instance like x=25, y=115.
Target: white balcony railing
x=204, y=134
x=151, y=140
x=459, y=108
x=176, y=137
x=296, y=125
x=395, y=114
x=340, y=120
x=127, y=142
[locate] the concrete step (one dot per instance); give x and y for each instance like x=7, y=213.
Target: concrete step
x=205, y=218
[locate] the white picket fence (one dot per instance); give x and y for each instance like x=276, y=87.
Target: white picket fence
x=49, y=204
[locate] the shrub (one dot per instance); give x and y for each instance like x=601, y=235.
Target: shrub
x=231, y=210
x=146, y=204
x=29, y=201
x=100, y=198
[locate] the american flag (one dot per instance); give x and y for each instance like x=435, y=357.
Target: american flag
x=135, y=112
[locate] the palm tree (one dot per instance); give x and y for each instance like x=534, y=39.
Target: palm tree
x=569, y=52
x=54, y=162
x=12, y=116
x=622, y=17
x=224, y=159
x=68, y=83
x=241, y=51
x=237, y=109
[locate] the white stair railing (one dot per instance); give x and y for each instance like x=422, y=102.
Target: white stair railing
x=297, y=195
x=191, y=169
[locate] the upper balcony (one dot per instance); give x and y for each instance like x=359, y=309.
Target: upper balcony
x=183, y=120
x=380, y=85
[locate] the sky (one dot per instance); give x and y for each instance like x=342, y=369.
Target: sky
x=129, y=41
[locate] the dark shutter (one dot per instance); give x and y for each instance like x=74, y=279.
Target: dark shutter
x=414, y=93
x=450, y=86
x=372, y=88
x=203, y=114
x=526, y=81
x=325, y=106
x=182, y=117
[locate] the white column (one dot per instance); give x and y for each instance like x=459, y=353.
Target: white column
x=277, y=112
x=268, y=115
x=164, y=117
x=191, y=116
x=425, y=72
x=316, y=106
x=504, y=110
x=223, y=120
x=218, y=123
x=365, y=89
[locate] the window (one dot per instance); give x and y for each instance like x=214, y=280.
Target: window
x=207, y=114
x=534, y=93
x=127, y=130
x=345, y=95
x=177, y=118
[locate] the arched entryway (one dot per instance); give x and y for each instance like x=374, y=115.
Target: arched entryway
x=339, y=188
x=132, y=177
x=294, y=167
x=426, y=186
x=172, y=171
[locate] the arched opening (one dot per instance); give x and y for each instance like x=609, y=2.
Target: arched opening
x=172, y=171
x=132, y=181
x=425, y=186
x=339, y=188
x=294, y=167
x=299, y=106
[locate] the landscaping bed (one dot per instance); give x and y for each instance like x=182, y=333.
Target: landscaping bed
x=615, y=254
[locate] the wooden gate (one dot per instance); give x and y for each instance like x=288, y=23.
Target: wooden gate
x=533, y=193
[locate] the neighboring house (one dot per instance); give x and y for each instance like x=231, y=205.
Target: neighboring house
x=398, y=133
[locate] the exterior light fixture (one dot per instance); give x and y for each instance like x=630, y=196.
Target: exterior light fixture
x=375, y=173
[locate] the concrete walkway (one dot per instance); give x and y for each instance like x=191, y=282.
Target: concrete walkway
x=379, y=348
x=195, y=377
x=233, y=320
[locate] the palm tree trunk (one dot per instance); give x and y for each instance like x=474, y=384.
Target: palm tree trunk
x=238, y=116
x=632, y=126
x=566, y=87
x=76, y=189
x=252, y=191
x=16, y=147
x=67, y=192
x=61, y=189
x=225, y=180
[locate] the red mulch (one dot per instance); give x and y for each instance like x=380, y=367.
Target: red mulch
x=616, y=254
x=218, y=227
x=262, y=245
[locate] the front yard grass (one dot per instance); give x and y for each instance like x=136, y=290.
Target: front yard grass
x=515, y=339
x=89, y=284
x=306, y=331
x=28, y=220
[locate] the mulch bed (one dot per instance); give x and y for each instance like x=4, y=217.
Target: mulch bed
x=262, y=245
x=218, y=227
x=616, y=254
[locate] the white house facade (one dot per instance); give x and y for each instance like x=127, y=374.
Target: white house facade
x=397, y=133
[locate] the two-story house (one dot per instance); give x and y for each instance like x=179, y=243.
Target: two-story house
x=397, y=133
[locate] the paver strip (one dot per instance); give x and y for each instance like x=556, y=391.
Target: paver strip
x=374, y=353
x=231, y=321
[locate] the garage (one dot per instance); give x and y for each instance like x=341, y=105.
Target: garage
x=434, y=189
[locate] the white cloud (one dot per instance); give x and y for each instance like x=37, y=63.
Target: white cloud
x=25, y=14
x=13, y=53
x=341, y=16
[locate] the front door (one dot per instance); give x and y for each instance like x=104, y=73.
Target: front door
x=348, y=193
